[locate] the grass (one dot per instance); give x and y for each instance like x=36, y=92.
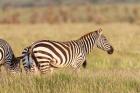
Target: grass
x=117, y=73
x=91, y=82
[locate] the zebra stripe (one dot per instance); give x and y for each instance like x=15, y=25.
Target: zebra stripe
x=28, y=62
x=7, y=57
x=49, y=54
x=1, y=54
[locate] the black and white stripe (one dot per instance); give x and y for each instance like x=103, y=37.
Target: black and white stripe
x=52, y=54
x=28, y=62
x=7, y=57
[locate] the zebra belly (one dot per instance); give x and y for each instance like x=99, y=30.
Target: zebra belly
x=59, y=64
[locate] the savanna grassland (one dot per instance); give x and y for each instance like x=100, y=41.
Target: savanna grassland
x=117, y=73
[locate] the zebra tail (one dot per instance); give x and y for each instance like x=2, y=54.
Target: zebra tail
x=26, y=54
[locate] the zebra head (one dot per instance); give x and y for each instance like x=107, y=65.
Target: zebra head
x=104, y=44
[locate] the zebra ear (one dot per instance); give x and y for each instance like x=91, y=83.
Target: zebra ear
x=100, y=31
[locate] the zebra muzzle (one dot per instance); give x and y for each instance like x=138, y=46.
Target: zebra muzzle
x=111, y=50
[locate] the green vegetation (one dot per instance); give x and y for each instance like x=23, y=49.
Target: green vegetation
x=117, y=73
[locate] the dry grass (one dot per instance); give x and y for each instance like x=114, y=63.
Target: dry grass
x=117, y=73
x=72, y=14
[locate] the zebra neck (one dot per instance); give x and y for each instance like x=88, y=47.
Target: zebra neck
x=88, y=43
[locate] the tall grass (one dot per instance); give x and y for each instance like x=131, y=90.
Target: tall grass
x=117, y=73
x=63, y=82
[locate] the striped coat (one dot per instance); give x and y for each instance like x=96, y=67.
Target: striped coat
x=49, y=54
x=7, y=57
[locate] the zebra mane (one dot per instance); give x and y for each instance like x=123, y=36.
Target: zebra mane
x=88, y=34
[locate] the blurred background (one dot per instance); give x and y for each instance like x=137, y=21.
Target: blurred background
x=69, y=11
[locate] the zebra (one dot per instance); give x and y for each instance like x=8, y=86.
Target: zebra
x=29, y=63
x=7, y=58
x=48, y=54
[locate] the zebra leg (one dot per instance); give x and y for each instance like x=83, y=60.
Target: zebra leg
x=78, y=64
x=34, y=69
x=84, y=64
x=7, y=68
x=51, y=70
x=2, y=64
x=45, y=67
x=76, y=71
x=47, y=70
x=76, y=68
x=0, y=67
